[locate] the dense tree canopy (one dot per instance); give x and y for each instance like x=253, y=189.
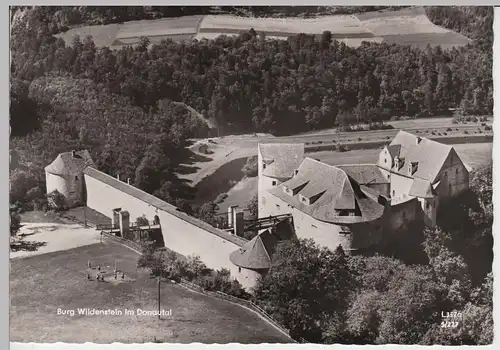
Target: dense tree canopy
x=277, y=86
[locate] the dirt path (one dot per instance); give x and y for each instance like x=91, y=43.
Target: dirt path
x=43, y=238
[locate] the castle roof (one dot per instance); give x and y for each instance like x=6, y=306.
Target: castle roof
x=70, y=163
x=394, y=150
x=365, y=174
x=326, y=193
x=258, y=252
x=281, y=158
x=428, y=155
x=421, y=188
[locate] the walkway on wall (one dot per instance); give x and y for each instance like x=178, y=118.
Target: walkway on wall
x=109, y=228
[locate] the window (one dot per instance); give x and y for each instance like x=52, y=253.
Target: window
x=263, y=165
x=385, y=160
x=449, y=188
x=277, y=205
x=239, y=269
x=427, y=205
x=76, y=178
x=274, y=183
x=456, y=171
x=445, y=173
x=393, y=193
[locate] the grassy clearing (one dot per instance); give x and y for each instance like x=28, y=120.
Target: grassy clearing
x=241, y=194
x=42, y=284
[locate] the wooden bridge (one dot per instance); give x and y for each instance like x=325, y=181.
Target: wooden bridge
x=263, y=223
x=110, y=228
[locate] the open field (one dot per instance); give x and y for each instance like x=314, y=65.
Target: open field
x=41, y=284
x=408, y=27
x=241, y=194
x=128, y=33
x=474, y=155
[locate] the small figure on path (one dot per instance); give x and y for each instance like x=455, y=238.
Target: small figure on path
x=88, y=275
x=97, y=276
x=89, y=264
x=98, y=267
x=115, y=274
x=123, y=275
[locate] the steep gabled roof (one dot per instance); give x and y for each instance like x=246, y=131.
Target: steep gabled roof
x=430, y=155
x=421, y=188
x=337, y=193
x=364, y=174
x=69, y=163
x=394, y=150
x=282, y=158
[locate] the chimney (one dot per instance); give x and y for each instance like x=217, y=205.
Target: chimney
x=230, y=215
x=128, y=180
x=124, y=222
x=238, y=220
x=73, y=154
x=118, y=176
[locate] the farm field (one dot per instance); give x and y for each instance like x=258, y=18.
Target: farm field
x=408, y=27
x=128, y=33
x=41, y=284
x=474, y=155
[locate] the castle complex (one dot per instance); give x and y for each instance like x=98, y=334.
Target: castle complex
x=348, y=205
x=352, y=205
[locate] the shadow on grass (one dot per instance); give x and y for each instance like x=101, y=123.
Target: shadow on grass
x=29, y=246
x=220, y=181
x=184, y=170
x=189, y=160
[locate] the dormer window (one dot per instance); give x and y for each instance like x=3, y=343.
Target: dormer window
x=303, y=199
x=274, y=183
x=296, y=171
x=263, y=165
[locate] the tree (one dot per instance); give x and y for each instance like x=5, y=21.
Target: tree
x=152, y=259
x=305, y=287
x=56, y=201
x=253, y=207
x=15, y=222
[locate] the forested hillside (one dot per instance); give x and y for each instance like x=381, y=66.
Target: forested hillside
x=476, y=22
x=241, y=84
